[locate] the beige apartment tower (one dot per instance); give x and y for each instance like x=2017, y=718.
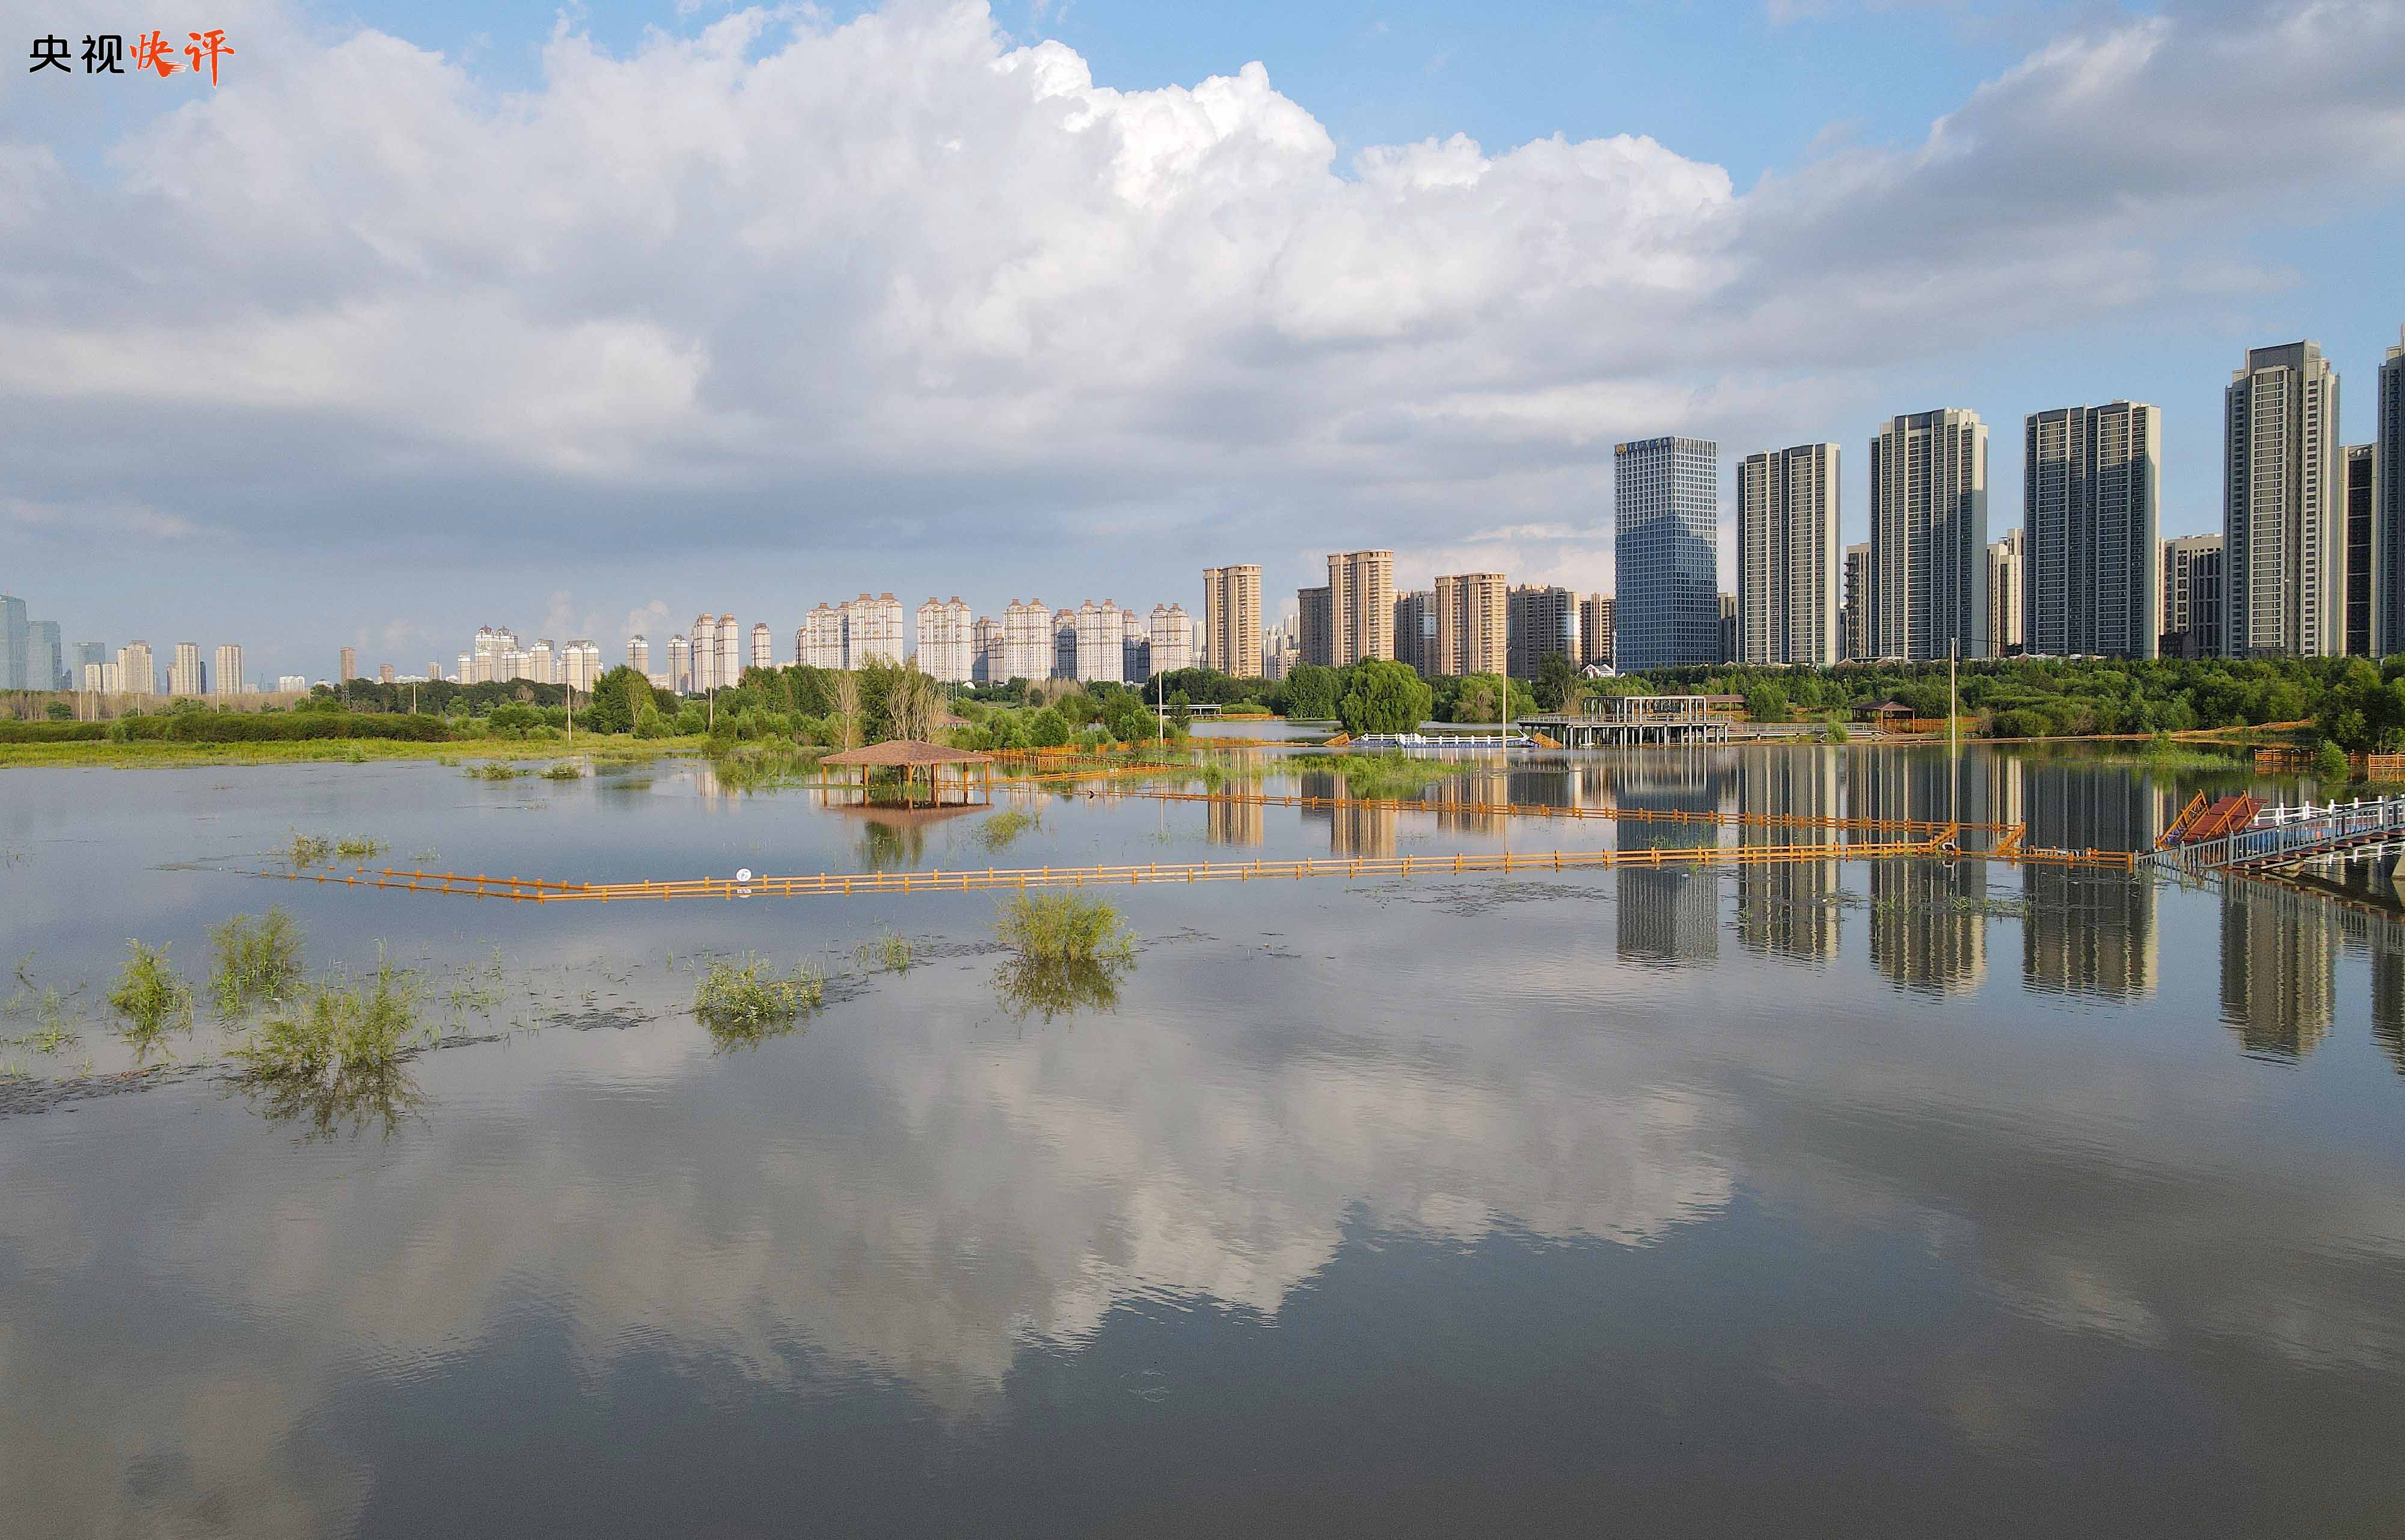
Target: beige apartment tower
x=1360, y=605
x=1790, y=561
x=2284, y=528
x=228, y=682
x=1929, y=538
x=1232, y=619
x=1474, y=624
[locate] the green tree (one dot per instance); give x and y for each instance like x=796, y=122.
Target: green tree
x=1383, y=696
x=1311, y=692
x=1766, y=703
x=1557, y=683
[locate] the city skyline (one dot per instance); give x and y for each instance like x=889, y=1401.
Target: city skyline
x=573, y=457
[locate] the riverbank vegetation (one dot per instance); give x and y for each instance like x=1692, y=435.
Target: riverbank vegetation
x=1068, y=952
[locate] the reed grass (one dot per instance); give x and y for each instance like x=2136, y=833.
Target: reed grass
x=890, y=951
x=1060, y=928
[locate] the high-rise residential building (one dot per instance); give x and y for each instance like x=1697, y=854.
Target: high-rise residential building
x=876, y=630
x=137, y=671
x=764, y=646
x=292, y=685
x=2362, y=546
x=1281, y=649
x=638, y=654
x=1135, y=647
x=84, y=652
x=580, y=664
x=1065, y=644
x=435, y=670
x=705, y=653
x=818, y=643
x=680, y=665
x=1790, y=561
x=2091, y=486
x=1360, y=605
x=1172, y=638
x=1315, y=628
x=1540, y=619
x=384, y=674
x=184, y=672
x=2283, y=568
x=986, y=659
x=350, y=669
x=1026, y=641
x=1666, y=507
x=2388, y=537
x=1595, y=628
x=1415, y=630
x=1856, y=613
x=229, y=669
x=730, y=650
x=16, y=643
x=467, y=668
x=484, y=658
x=1474, y=624
x=2008, y=592
x=1728, y=629
x=1929, y=537
x=947, y=641
x=1232, y=619
x=540, y=662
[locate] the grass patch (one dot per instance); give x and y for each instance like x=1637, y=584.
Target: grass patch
x=256, y=961
x=494, y=770
x=337, y=1029
x=890, y=951
x=564, y=771
x=745, y=1000
x=358, y=848
x=1383, y=776
x=1000, y=831
x=620, y=749
x=151, y=999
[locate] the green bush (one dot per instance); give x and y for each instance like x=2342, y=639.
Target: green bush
x=1062, y=928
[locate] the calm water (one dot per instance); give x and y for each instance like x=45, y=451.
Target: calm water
x=1846, y=1199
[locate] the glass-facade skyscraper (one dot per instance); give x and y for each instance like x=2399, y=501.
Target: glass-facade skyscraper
x=1665, y=496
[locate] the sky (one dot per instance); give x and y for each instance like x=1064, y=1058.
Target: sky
x=583, y=320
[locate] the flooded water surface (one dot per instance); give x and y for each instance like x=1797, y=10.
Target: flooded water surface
x=1833, y=1197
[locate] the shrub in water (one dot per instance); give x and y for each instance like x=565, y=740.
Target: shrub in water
x=1064, y=928
x=890, y=951
x=256, y=961
x=337, y=1028
x=746, y=1000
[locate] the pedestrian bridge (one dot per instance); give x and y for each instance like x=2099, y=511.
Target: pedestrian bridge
x=2277, y=838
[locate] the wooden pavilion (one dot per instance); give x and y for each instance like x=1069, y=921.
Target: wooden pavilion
x=932, y=775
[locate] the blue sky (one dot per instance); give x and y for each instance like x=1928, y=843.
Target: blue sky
x=622, y=327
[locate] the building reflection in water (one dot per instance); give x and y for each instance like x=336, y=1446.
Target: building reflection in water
x=2279, y=967
x=1234, y=822
x=1486, y=787
x=2379, y=936
x=2087, y=932
x=1792, y=909
x=1929, y=927
x=1351, y=831
x=1671, y=915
